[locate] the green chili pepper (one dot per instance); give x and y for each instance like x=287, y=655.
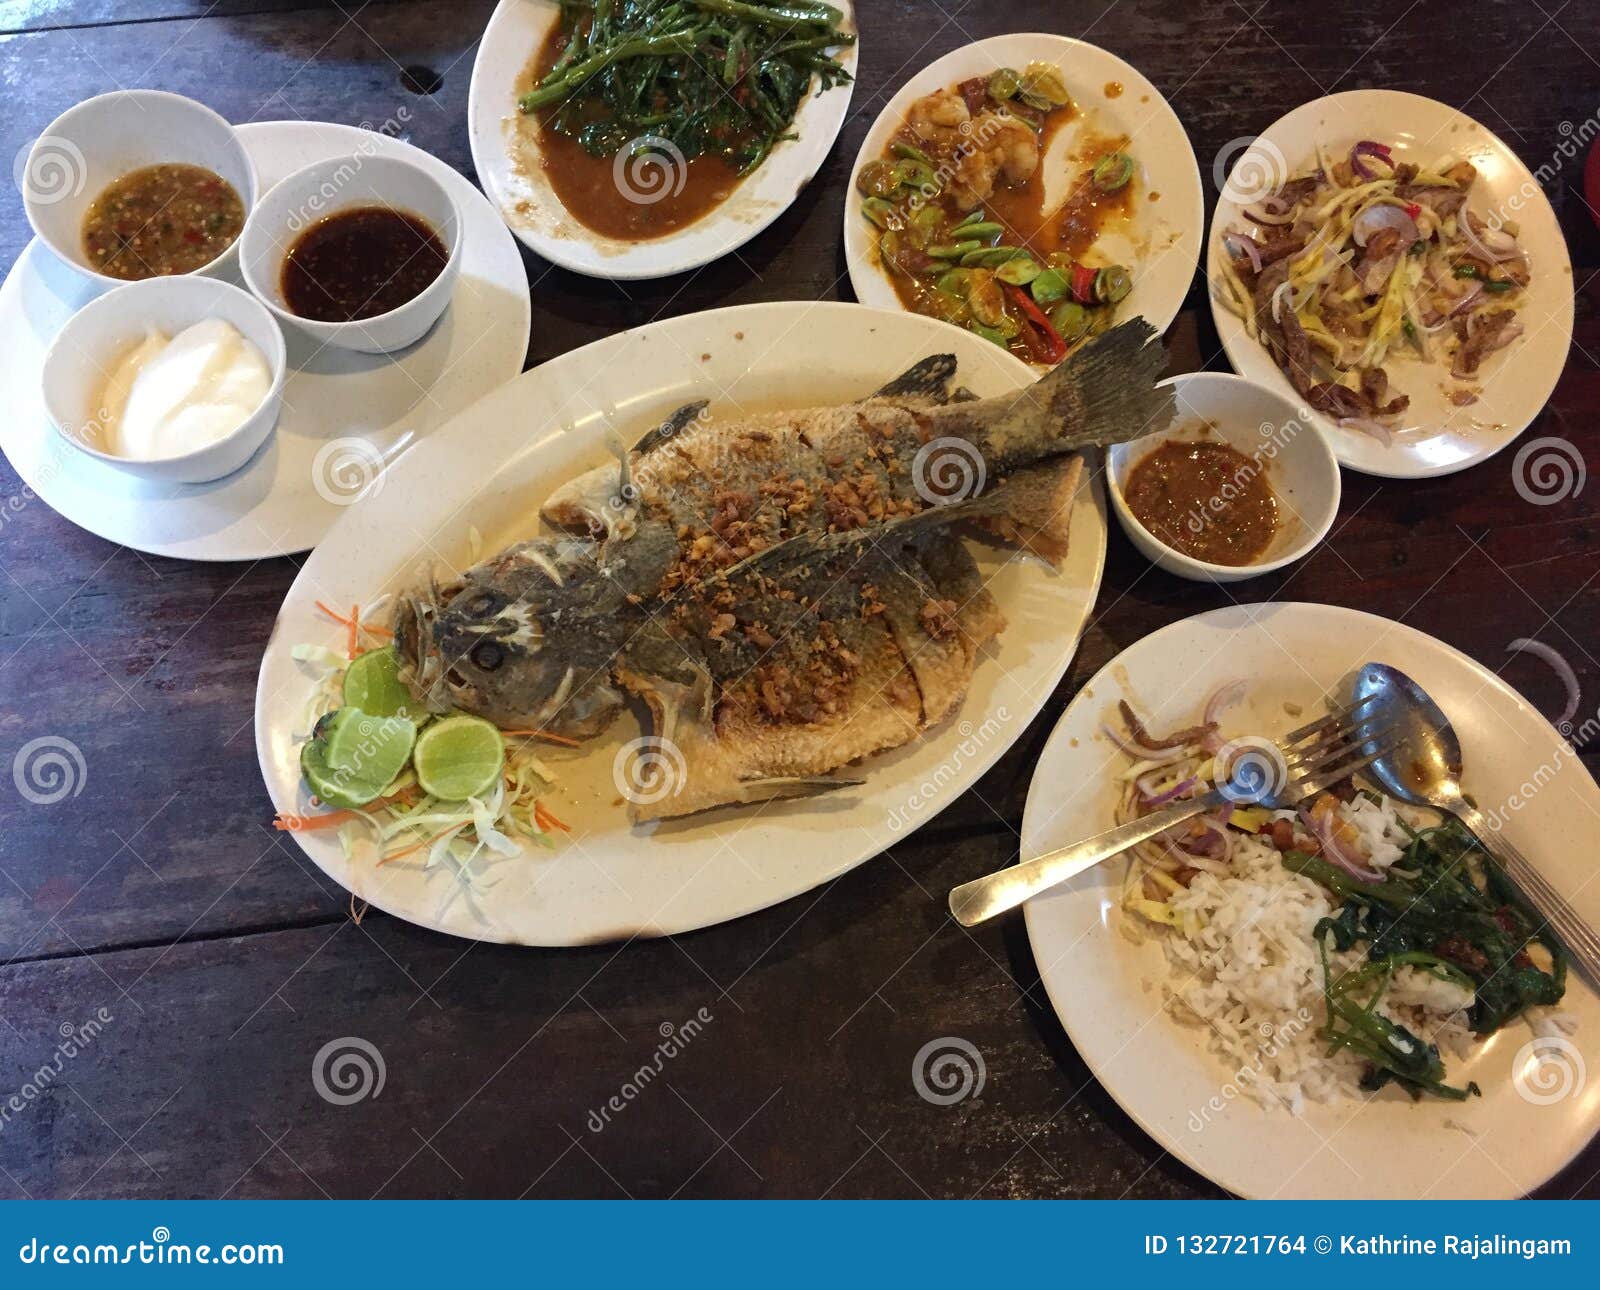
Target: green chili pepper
x=1018, y=271
x=1050, y=286
x=1111, y=284
x=1004, y=85
x=1071, y=320
x=1112, y=171
x=883, y=213
x=1497, y=287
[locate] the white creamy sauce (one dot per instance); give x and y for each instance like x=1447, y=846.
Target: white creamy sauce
x=170, y=396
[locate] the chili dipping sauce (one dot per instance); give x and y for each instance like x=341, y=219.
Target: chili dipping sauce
x=360, y=263
x=1205, y=499
x=160, y=220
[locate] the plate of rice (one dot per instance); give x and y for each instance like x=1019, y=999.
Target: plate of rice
x=1222, y=983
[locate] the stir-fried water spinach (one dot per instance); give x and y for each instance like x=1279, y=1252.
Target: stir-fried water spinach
x=709, y=77
x=1447, y=909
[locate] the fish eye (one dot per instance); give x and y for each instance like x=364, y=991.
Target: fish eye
x=488, y=655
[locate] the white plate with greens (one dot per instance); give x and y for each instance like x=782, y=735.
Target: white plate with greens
x=654, y=171
x=477, y=484
x=1106, y=971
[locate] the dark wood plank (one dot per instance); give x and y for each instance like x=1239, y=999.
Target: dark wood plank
x=227, y=959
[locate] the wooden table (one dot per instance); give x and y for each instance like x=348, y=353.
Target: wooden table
x=225, y=961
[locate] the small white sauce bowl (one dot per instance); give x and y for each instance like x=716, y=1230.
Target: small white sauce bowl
x=1275, y=435
x=294, y=204
x=87, y=350
x=89, y=146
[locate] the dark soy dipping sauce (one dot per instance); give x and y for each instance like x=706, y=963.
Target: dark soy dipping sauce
x=360, y=263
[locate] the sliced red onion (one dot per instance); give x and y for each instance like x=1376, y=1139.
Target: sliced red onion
x=1383, y=216
x=1277, y=301
x=1466, y=301
x=1332, y=850
x=1367, y=148
x=1249, y=245
x=1480, y=245
x=1366, y=425
x=1138, y=751
x=1152, y=799
x=1223, y=696
x=1562, y=668
x=1210, y=841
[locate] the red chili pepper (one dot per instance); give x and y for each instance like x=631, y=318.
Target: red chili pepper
x=1083, y=284
x=1413, y=209
x=1055, y=348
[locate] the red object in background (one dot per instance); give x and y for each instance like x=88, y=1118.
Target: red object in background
x=1591, y=182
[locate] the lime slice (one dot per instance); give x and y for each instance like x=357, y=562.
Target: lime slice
x=333, y=788
x=372, y=683
x=458, y=758
x=353, y=755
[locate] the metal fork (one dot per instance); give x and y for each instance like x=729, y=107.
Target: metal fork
x=1309, y=759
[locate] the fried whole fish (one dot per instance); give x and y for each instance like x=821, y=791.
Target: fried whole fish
x=786, y=593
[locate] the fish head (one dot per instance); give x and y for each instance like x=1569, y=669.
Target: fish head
x=526, y=639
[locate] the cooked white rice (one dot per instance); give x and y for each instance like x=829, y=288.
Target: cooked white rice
x=1246, y=968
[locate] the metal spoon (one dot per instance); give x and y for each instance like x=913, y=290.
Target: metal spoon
x=1427, y=772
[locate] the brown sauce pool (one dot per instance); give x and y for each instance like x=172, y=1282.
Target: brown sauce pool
x=645, y=196
x=1205, y=499
x=160, y=220
x=360, y=263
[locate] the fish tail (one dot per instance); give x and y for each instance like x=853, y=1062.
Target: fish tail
x=1103, y=393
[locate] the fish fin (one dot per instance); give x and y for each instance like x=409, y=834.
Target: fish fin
x=1104, y=392
x=670, y=428
x=1037, y=513
x=928, y=379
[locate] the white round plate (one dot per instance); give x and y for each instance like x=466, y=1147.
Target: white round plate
x=1438, y=438
x=1162, y=243
x=504, y=151
x=344, y=413
x=494, y=465
x=1106, y=989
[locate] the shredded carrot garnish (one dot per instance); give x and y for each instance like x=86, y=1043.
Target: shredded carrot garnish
x=287, y=823
x=546, y=820
x=415, y=846
x=337, y=617
x=541, y=734
x=353, y=641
